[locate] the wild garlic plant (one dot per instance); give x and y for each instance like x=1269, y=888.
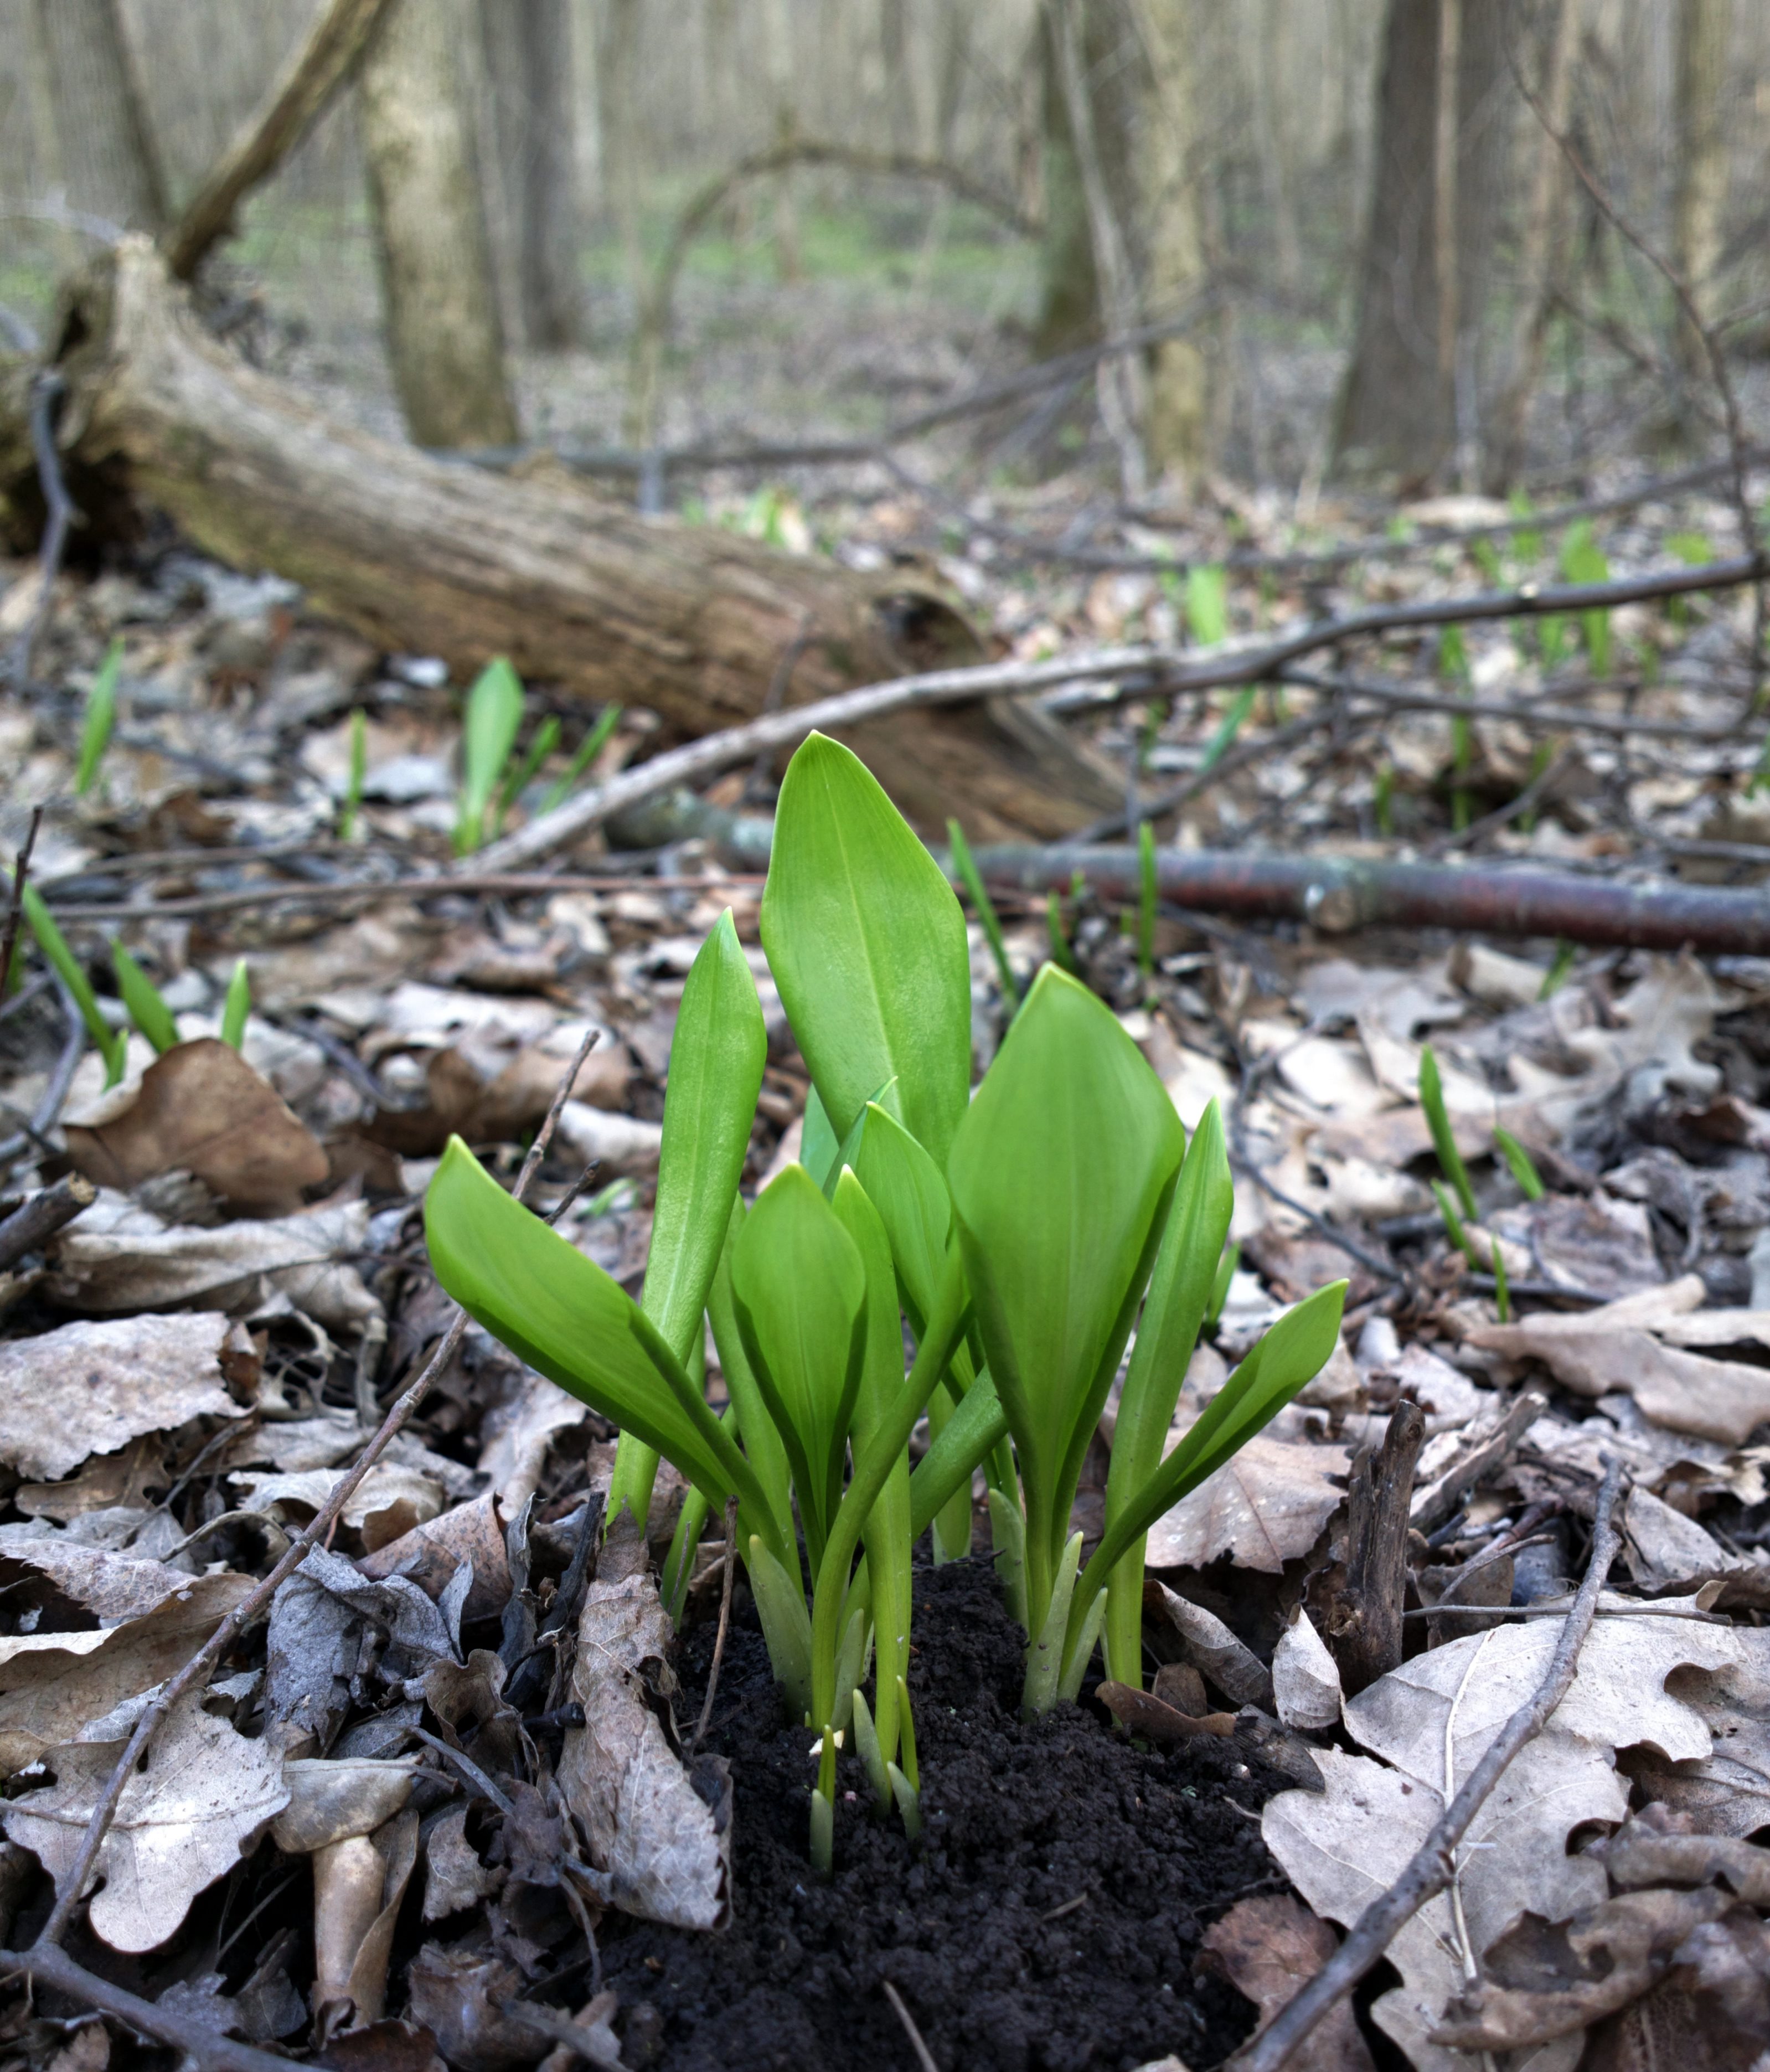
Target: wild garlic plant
x=1017, y=1234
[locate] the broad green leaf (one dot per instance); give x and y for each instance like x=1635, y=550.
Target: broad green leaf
x=761, y=1442
x=800, y=1289
x=819, y=1146
x=142, y=997
x=564, y=1317
x=716, y=1057
x=494, y=712
x=904, y=1185
x=1057, y=1173
x=867, y=944
x=1207, y=604
x=965, y=1442
x=1180, y=1287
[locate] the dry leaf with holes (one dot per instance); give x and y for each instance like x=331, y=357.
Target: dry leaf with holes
x=390, y=1502
x=114, y=1587
x=1267, y=1948
x=90, y=1388
x=199, y=1803
x=53, y=1685
x=200, y=1108
x=655, y=1846
x=1427, y=1725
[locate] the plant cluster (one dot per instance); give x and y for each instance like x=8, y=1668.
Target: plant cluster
x=1018, y=1236
x=493, y=776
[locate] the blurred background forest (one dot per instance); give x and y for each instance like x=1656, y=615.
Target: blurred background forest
x=1349, y=248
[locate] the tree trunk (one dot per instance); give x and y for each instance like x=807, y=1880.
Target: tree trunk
x=528, y=58
x=1423, y=281
x=1069, y=293
x=427, y=556
x=107, y=154
x=1171, y=214
x=444, y=337
x=1704, y=31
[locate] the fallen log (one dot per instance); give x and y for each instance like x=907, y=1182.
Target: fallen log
x=423, y=556
x=1340, y=894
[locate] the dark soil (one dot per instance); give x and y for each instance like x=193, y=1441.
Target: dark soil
x=976, y=1929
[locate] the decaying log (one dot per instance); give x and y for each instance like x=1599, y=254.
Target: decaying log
x=426, y=556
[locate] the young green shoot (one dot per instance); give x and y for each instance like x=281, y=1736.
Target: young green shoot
x=1228, y=727
x=588, y=750
x=520, y=775
x=494, y=714
x=1560, y=967
x=1518, y=1159
x=1502, y=1287
x=1438, y=1121
x=1582, y=561
x=984, y=907
x=1148, y=899
x=1382, y=799
x=237, y=1006
x=1062, y=954
x=355, y=777
x=142, y=997
x=94, y=734
x=1453, y=661
x=1207, y=605
x=110, y=1044
x=1454, y=1227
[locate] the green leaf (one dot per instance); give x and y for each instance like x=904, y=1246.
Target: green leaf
x=494, y=712
x=1207, y=604
x=867, y=944
x=521, y=775
x=354, y=777
x=1438, y=1121
x=100, y=718
x=1180, y=1287
x=588, y=750
x=904, y=1185
x=1523, y=1167
x=800, y=1288
x=761, y=1442
x=987, y=919
x=965, y=1442
x=717, y=1056
x=110, y=1044
x=1057, y=1174
x=142, y=997
x=237, y=1006
x=562, y=1315
x=1453, y=1223
x=1227, y=728
x=819, y=1146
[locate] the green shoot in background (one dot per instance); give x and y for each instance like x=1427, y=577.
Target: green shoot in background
x=1582, y=562
x=1560, y=965
x=1502, y=1287
x=1148, y=897
x=984, y=907
x=351, y=803
x=1207, y=605
x=1522, y=1168
x=236, y=1007
x=1227, y=728
x=520, y=775
x=1062, y=954
x=140, y=995
x=1453, y=662
x=110, y=1044
x=95, y=734
x=588, y=750
x=1438, y=1121
x=494, y=713
x=1382, y=798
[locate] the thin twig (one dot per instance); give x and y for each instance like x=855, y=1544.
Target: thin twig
x=924, y=2058
x=48, y=1109
x=30, y=1226
x=199, y=2045
x=15, y=907
x=46, y=386
x=1433, y=1866
x=195, y=1671
x=509, y=885
x=724, y=1620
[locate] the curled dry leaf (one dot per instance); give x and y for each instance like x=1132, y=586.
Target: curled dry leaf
x=454, y=1877
x=1226, y=1662
x=234, y=1267
x=115, y=1588
x=1427, y=1725
x=330, y=1801
x=200, y=1108
x=90, y=1388
x=359, y=1884
x=1726, y=1790
x=459, y=1996
x=1265, y=1507
x=1147, y=1714
x=1305, y=1677
x=52, y=1684
x=1267, y=1948
x=202, y=1798
x=656, y=1847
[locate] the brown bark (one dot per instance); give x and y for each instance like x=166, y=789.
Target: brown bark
x=1704, y=32
x=427, y=556
x=1362, y=1618
x=528, y=55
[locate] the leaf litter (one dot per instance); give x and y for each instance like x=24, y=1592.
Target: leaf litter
x=472, y=1737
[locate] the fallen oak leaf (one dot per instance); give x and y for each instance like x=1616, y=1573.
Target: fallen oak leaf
x=1266, y=1947
x=1145, y=1714
x=183, y=1821
x=1263, y=1508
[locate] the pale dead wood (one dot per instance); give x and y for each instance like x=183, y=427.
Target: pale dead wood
x=1363, y=1622
x=1434, y=1863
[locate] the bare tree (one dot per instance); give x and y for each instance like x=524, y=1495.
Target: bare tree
x=1444, y=131
x=444, y=337
x=617, y=80
x=1704, y=35
x=106, y=152
x=1171, y=211
x=528, y=46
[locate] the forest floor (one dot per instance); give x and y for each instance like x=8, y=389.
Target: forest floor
x=192, y=1362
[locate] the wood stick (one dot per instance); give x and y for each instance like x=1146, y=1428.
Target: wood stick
x=1363, y=1623
x=199, y=2045
x=15, y=906
x=1434, y=1865
x=195, y=1671
x=28, y=1228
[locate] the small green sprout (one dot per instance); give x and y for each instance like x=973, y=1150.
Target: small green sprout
x=1226, y=1274
x=588, y=750
x=356, y=777
x=519, y=776
x=237, y=1006
x=1526, y=541
x=142, y=997
x=1014, y=1235
x=984, y=907
x=1582, y=561
x=100, y=718
x=1148, y=899
x=1502, y=1287
x=1518, y=1159
x=1453, y=1223
x=1207, y=605
x=1486, y=557
x=1560, y=966
x=494, y=713
x=1228, y=727
x=1062, y=954
x=110, y=1044
x=1438, y=1121
x=1382, y=799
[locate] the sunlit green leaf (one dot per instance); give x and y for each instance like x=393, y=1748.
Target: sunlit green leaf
x=867, y=944
x=494, y=712
x=142, y=997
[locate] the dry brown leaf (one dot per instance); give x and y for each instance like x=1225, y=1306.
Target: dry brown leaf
x=390, y=1502
x=1622, y=1348
x=331, y=1799
x=1667, y=1550
x=1265, y=1507
x=90, y=1388
x=430, y=1554
x=200, y=1108
x=234, y=1267
x=202, y=1798
x=1269, y=1947
x=113, y=1587
x=1305, y=1677
x=359, y=1885
x=53, y=1685
x=459, y=1996
x=1427, y=1725
x=454, y=1877
x=1727, y=1790
x=655, y=1847
x=1230, y=1663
